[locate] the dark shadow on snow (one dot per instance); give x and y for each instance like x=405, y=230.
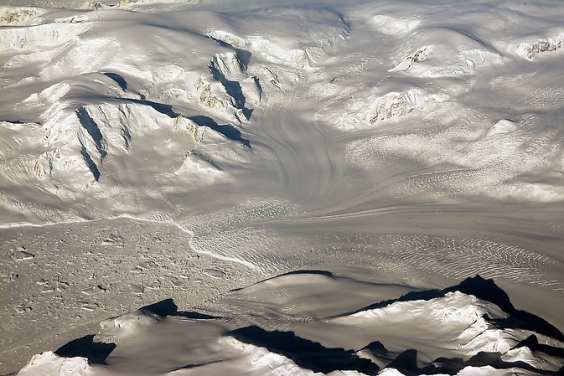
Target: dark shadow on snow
x=307, y=271
x=484, y=289
x=167, y=307
x=92, y=128
x=243, y=56
x=295, y=272
x=91, y=165
x=406, y=363
x=95, y=352
x=233, y=88
x=533, y=344
x=305, y=353
x=377, y=349
x=164, y=109
x=228, y=131
x=118, y=79
x=317, y=358
x=191, y=366
x=163, y=308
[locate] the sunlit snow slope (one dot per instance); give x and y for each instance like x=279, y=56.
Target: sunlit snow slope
x=448, y=331
x=154, y=150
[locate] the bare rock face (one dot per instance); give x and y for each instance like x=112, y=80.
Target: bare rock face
x=21, y=16
x=542, y=46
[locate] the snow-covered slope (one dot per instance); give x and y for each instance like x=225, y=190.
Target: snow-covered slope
x=432, y=89
x=476, y=336
x=157, y=149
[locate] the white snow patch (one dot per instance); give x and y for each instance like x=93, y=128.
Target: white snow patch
x=416, y=57
x=48, y=95
x=84, y=56
x=228, y=65
x=272, y=50
x=453, y=308
x=393, y=26
x=502, y=126
x=21, y=16
x=228, y=38
x=276, y=52
x=50, y=364
x=77, y=18
x=492, y=340
x=392, y=106
x=263, y=362
x=467, y=62
x=482, y=371
x=128, y=325
x=542, y=46
x=41, y=36
x=538, y=360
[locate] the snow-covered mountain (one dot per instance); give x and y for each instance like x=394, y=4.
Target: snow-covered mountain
x=154, y=150
x=85, y=99
x=468, y=329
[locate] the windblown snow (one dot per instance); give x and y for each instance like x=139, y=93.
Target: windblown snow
x=281, y=187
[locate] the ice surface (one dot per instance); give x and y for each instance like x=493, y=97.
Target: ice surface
x=48, y=363
x=278, y=167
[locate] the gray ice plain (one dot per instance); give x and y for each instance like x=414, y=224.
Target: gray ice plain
x=281, y=188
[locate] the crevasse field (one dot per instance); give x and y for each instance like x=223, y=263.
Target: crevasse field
x=282, y=187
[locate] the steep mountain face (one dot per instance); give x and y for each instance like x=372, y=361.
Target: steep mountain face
x=93, y=103
x=88, y=113
x=446, y=331
x=433, y=94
